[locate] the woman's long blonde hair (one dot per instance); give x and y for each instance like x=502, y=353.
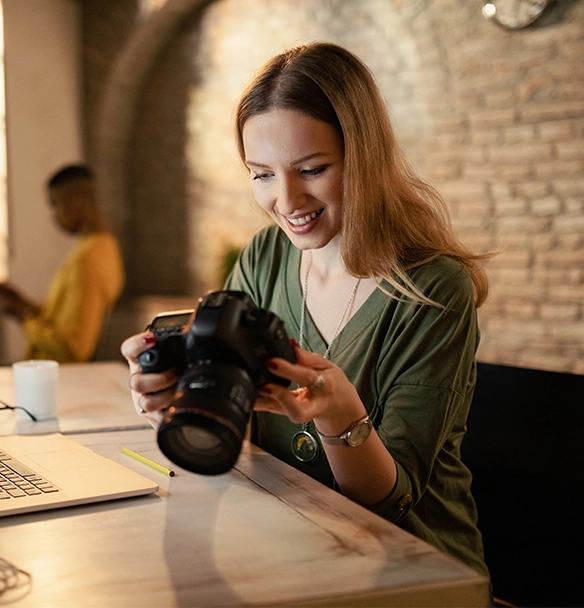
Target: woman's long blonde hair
x=392, y=220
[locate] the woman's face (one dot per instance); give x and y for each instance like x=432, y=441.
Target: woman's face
x=296, y=167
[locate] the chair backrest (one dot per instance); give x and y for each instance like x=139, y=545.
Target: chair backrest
x=525, y=448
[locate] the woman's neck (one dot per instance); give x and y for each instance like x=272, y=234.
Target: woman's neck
x=331, y=293
x=326, y=263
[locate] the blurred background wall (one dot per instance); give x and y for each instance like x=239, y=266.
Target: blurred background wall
x=44, y=129
x=493, y=118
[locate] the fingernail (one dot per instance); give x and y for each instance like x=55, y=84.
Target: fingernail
x=149, y=339
x=294, y=343
x=265, y=391
x=270, y=364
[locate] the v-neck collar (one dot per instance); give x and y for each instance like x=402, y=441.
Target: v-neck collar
x=366, y=314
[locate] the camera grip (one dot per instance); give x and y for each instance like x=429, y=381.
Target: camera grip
x=165, y=355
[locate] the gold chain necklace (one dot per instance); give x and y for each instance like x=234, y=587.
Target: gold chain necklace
x=304, y=445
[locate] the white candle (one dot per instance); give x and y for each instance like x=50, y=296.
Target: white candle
x=36, y=387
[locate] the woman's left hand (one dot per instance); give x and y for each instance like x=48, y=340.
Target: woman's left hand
x=325, y=394
x=328, y=398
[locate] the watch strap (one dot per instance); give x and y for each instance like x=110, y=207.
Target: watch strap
x=342, y=439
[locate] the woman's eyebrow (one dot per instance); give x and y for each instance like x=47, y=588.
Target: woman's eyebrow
x=296, y=162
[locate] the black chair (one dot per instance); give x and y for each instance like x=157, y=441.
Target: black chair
x=525, y=448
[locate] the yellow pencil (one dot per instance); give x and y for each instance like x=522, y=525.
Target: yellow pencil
x=148, y=462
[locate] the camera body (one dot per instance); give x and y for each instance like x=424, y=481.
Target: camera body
x=169, y=352
x=219, y=352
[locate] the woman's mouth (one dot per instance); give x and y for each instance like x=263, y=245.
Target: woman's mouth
x=303, y=220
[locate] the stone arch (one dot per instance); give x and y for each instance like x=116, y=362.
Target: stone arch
x=121, y=93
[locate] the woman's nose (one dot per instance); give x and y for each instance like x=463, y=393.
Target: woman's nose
x=291, y=196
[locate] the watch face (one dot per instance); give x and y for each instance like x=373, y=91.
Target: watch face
x=358, y=435
x=514, y=14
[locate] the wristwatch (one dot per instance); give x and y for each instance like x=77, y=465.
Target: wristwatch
x=353, y=436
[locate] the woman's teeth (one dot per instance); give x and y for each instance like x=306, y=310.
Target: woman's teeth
x=303, y=220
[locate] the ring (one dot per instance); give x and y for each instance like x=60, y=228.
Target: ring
x=318, y=383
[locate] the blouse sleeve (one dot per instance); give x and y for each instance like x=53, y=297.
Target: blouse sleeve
x=425, y=382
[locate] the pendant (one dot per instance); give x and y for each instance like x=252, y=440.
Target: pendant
x=304, y=446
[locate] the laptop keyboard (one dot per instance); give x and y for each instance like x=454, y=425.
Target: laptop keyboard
x=17, y=480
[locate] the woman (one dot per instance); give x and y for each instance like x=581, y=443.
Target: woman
x=362, y=267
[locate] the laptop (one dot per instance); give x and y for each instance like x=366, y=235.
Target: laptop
x=40, y=472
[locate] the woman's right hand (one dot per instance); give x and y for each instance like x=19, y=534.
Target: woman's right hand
x=152, y=392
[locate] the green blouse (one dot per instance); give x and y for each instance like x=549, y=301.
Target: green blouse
x=414, y=368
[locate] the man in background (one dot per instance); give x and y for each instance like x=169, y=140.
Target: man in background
x=68, y=325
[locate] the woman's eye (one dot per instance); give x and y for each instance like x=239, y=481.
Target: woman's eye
x=261, y=176
x=315, y=171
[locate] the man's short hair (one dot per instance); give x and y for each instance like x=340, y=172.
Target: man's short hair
x=68, y=174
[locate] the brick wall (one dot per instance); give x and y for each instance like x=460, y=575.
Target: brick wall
x=493, y=119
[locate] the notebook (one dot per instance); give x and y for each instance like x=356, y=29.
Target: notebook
x=40, y=472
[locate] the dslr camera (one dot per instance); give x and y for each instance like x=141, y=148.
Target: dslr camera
x=219, y=352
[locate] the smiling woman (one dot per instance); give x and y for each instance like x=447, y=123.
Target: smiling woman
x=365, y=273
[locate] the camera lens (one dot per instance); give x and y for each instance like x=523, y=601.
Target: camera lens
x=198, y=438
x=205, y=427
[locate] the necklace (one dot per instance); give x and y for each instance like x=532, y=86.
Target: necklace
x=304, y=445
